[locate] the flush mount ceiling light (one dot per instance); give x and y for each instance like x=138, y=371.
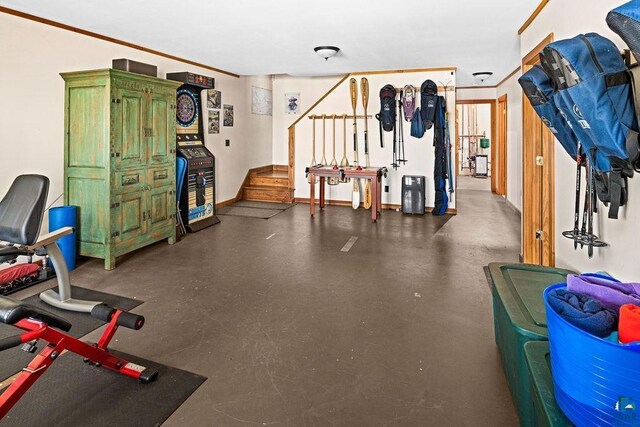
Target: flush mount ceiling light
x=326, y=51
x=482, y=75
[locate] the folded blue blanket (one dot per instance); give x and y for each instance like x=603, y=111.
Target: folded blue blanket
x=583, y=312
x=610, y=292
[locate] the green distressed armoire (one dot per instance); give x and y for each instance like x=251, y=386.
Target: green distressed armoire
x=119, y=160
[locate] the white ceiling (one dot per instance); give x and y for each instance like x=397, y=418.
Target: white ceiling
x=257, y=37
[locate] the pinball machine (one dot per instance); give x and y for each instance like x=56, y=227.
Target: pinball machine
x=198, y=199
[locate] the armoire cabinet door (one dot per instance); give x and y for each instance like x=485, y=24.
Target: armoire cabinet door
x=162, y=207
x=130, y=133
x=162, y=120
x=131, y=215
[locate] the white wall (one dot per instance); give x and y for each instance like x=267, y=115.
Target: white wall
x=310, y=89
x=32, y=104
x=566, y=19
x=419, y=152
x=476, y=93
x=514, y=138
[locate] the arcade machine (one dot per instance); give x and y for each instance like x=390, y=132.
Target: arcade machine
x=198, y=201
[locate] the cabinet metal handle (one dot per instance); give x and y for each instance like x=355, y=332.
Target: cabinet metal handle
x=144, y=215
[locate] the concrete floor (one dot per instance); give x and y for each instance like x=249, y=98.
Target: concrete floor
x=291, y=331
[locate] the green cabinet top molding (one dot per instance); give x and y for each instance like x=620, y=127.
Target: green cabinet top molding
x=119, y=160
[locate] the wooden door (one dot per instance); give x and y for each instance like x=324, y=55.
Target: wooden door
x=130, y=117
x=501, y=147
x=538, y=197
x=161, y=121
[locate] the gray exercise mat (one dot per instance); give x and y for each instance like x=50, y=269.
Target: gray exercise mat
x=14, y=359
x=73, y=393
x=248, y=212
x=262, y=205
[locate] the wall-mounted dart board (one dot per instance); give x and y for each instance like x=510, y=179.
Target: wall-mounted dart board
x=187, y=111
x=189, y=105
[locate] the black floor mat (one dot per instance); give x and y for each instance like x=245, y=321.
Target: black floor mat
x=72, y=393
x=14, y=359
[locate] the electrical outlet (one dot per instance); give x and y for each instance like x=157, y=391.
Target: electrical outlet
x=227, y=142
x=386, y=188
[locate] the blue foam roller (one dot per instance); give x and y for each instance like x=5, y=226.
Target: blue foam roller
x=65, y=216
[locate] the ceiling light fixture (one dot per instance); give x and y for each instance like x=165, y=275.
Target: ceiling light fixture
x=482, y=75
x=326, y=51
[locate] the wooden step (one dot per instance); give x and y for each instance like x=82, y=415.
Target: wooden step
x=270, y=179
x=267, y=193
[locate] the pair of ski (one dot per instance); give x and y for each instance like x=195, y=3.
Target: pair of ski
x=398, y=143
x=584, y=235
x=353, y=89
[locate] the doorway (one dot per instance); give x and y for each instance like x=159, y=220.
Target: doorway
x=501, y=148
x=538, y=194
x=475, y=138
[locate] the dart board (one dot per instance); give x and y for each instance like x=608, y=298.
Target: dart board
x=186, y=108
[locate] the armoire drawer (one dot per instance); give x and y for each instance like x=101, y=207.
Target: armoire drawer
x=130, y=180
x=160, y=176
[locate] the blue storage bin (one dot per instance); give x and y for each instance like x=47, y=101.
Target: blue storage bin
x=596, y=381
x=65, y=216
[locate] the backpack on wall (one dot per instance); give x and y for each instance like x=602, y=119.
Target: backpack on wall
x=594, y=91
x=538, y=88
x=387, y=115
x=417, y=125
x=428, y=102
x=625, y=21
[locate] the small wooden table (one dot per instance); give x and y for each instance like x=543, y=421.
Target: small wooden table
x=373, y=173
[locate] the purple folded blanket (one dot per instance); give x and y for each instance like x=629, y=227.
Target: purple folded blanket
x=610, y=292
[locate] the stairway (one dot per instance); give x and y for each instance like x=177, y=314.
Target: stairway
x=268, y=184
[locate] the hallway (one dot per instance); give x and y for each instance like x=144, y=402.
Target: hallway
x=290, y=330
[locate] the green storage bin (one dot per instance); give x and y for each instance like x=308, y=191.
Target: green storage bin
x=546, y=412
x=519, y=317
x=484, y=143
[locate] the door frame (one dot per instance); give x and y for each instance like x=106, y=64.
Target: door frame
x=501, y=147
x=493, y=104
x=538, y=182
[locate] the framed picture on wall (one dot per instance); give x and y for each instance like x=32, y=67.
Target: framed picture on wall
x=227, y=115
x=214, y=98
x=292, y=103
x=214, y=121
x=261, y=101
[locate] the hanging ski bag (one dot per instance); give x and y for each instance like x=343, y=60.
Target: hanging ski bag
x=417, y=125
x=440, y=160
x=594, y=90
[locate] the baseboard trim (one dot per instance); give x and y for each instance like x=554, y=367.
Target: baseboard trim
x=227, y=202
x=513, y=207
x=347, y=203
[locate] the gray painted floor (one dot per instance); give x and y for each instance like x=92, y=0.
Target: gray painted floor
x=292, y=331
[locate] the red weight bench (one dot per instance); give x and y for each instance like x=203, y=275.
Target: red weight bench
x=41, y=324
